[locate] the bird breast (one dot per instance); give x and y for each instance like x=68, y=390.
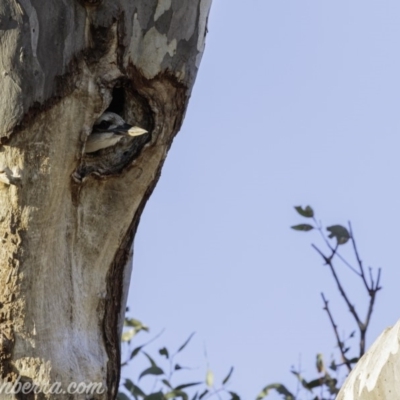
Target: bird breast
x=98, y=141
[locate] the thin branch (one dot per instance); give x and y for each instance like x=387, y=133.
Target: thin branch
x=360, y=264
x=319, y=227
x=352, y=310
x=334, y=326
x=372, y=293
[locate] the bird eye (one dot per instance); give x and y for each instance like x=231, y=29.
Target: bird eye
x=103, y=125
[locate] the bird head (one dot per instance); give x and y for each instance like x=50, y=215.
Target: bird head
x=111, y=122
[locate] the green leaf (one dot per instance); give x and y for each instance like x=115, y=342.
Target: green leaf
x=152, y=362
x=234, y=396
x=164, y=352
x=315, y=383
x=132, y=388
x=155, y=396
x=281, y=389
x=339, y=232
x=226, y=379
x=303, y=382
x=166, y=383
x=209, y=378
x=302, y=227
x=307, y=212
x=186, y=342
x=186, y=385
x=122, y=396
x=135, y=352
x=177, y=393
x=151, y=371
x=332, y=385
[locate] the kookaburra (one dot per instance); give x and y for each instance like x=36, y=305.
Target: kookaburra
x=108, y=130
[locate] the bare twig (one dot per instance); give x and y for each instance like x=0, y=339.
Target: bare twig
x=372, y=287
x=334, y=250
x=352, y=310
x=334, y=326
x=360, y=264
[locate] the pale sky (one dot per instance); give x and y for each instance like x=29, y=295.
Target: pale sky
x=296, y=103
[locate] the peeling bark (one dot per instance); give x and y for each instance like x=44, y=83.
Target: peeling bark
x=376, y=375
x=68, y=219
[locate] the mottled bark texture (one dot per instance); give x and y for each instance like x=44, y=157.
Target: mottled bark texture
x=377, y=375
x=67, y=220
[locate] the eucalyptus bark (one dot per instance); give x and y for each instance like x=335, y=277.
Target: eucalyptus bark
x=376, y=375
x=68, y=219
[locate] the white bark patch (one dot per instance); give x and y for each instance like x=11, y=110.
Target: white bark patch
x=148, y=52
x=376, y=375
x=205, y=6
x=162, y=6
x=33, y=23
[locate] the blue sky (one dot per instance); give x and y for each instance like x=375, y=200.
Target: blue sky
x=296, y=102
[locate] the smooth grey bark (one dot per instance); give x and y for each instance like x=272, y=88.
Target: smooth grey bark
x=68, y=220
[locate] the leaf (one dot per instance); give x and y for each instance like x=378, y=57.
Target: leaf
x=128, y=335
x=135, y=323
x=135, y=352
x=307, y=212
x=132, y=388
x=339, y=232
x=303, y=382
x=228, y=376
x=164, y=352
x=320, y=363
x=332, y=385
x=177, y=393
x=315, y=383
x=135, y=327
x=186, y=342
x=302, y=227
x=152, y=362
x=155, y=396
x=209, y=378
x=281, y=389
x=122, y=396
x=178, y=367
x=151, y=371
x=186, y=385
x=166, y=383
x=234, y=396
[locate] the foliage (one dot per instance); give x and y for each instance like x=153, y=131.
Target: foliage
x=323, y=386
x=164, y=371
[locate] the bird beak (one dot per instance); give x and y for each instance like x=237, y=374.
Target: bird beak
x=136, y=131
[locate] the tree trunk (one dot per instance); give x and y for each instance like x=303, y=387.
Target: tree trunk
x=376, y=375
x=68, y=219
